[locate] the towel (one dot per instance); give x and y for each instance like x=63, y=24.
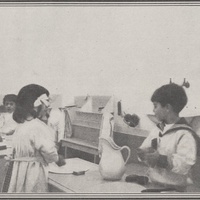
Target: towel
x=87, y=107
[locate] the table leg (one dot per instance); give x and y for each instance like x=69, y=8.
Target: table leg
x=65, y=154
x=95, y=159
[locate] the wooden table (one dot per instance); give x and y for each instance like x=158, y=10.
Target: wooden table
x=91, y=182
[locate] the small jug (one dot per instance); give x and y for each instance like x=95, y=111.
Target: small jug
x=112, y=164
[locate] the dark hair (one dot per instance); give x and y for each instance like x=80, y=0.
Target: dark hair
x=9, y=97
x=172, y=94
x=25, y=101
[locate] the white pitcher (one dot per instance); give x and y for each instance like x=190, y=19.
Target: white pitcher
x=112, y=164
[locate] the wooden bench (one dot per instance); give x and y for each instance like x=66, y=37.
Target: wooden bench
x=81, y=145
x=86, y=130
x=85, y=134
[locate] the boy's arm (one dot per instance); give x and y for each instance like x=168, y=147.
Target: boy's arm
x=185, y=156
x=179, y=162
x=146, y=152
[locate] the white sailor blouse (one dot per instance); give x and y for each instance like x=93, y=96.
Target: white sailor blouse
x=177, y=150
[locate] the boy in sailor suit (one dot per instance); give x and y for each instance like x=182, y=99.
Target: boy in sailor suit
x=170, y=150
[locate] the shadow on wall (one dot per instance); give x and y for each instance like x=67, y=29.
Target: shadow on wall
x=132, y=141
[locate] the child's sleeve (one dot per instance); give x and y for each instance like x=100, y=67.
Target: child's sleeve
x=7, y=125
x=9, y=129
x=185, y=156
x=46, y=146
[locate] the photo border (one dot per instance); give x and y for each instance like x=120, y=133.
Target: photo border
x=91, y=3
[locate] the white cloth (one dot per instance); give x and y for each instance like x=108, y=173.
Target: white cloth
x=110, y=106
x=107, y=125
x=34, y=149
x=106, y=130
x=87, y=107
x=42, y=99
x=7, y=123
x=180, y=148
x=56, y=121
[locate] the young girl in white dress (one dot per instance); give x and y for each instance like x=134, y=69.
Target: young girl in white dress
x=7, y=124
x=33, y=142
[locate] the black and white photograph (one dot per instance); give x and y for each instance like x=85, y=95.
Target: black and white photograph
x=100, y=99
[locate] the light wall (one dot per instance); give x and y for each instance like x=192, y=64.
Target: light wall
x=124, y=51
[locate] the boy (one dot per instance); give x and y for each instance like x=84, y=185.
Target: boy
x=169, y=150
x=7, y=124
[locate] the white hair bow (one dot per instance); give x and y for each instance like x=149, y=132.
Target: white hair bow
x=42, y=99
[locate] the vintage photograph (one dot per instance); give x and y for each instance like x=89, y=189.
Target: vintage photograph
x=100, y=99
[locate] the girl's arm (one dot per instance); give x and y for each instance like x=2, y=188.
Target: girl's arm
x=46, y=146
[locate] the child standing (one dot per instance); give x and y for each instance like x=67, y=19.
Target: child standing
x=8, y=125
x=33, y=146
x=169, y=150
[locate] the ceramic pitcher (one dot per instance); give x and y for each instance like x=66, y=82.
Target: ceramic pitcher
x=112, y=163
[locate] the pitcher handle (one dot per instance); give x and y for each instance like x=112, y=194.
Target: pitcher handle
x=129, y=152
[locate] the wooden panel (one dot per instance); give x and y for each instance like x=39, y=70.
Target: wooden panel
x=84, y=123
x=132, y=141
x=81, y=145
x=123, y=128
x=72, y=113
x=88, y=116
x=85, y=133
x=86, y=130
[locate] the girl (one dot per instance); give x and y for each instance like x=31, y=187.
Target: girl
x=7, y=124
x=33, y=144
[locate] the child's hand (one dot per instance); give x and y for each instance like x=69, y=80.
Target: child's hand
x=61, y=160
x=142, y=152
x=151, y=158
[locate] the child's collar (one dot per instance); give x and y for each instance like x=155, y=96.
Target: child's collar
x=180, y=121
x=180, y=124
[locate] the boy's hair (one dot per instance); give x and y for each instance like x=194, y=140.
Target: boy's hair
x=9, y=97
x=172, y=94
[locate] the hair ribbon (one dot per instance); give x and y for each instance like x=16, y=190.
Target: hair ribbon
x=42, y=99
